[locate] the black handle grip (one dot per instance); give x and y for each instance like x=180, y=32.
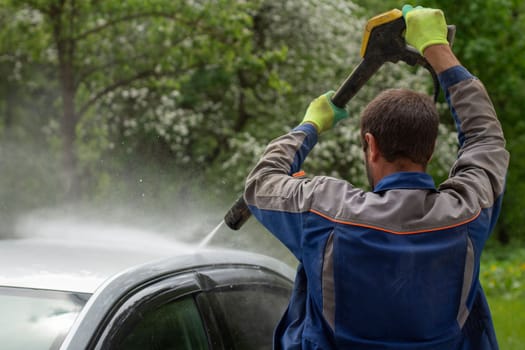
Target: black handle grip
x=238, y=214
x=383, y=47
x=355, y=81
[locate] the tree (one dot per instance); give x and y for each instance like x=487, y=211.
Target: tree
x=320, y=54
x=194, y=92
x=99, y=47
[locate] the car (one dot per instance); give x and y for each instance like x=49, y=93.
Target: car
x=87, y=294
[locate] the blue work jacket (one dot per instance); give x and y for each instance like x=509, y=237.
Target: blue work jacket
x=395, y=268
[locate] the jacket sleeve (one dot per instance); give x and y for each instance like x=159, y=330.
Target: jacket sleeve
x=276, y=198
x=478, y=174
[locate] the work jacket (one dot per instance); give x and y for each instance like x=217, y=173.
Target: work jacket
x=396, y=268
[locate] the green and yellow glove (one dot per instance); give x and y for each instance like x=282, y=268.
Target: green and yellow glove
x=424, y=27
x=323, y=114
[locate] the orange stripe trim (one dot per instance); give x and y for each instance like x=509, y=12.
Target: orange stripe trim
x=394, y=232
x=299, y=174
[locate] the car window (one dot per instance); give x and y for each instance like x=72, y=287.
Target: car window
x=249, y=314
x=37, y=319
x=215, y=308
x=175, y=325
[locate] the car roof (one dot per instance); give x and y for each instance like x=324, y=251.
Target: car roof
x=177, y=271
x=83, y=265
x=79, y=266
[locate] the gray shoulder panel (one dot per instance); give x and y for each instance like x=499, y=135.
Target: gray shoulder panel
x=396, y=211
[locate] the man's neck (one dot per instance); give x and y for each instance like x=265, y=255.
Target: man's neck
x=400, y=165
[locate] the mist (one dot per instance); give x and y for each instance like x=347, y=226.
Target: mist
x=127, y=228
x=144, y=207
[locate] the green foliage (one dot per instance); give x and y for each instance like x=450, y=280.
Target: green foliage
x=503, y=272
x=193, y=90
x=320, y=55
x=507, y=315
x=502, y=276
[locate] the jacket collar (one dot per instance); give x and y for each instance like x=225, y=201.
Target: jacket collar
x=406, y=180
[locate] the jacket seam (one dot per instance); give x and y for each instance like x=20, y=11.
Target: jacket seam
x=352, y=223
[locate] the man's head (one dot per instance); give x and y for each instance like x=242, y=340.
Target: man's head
x=400, y=126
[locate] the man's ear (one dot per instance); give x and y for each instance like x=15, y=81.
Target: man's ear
x=373, y=149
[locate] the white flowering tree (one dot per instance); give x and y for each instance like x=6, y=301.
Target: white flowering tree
x=201, y=86
x=322, y=41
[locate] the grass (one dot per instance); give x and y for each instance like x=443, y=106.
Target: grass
x=503, y=279
x=509, y=320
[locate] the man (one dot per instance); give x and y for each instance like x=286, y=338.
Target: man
x=395, y=268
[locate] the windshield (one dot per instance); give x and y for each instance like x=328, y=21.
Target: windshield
x=37, y=319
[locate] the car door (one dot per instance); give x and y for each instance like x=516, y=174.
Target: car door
x=218, y=307
x=246, y=305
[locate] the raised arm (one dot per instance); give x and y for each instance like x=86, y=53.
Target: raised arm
x=480, y=170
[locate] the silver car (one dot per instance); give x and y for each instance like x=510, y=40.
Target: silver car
x=65, y=294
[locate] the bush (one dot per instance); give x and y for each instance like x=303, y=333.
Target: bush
x=503, y=272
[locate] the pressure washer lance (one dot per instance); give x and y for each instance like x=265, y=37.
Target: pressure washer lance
x=383, y=42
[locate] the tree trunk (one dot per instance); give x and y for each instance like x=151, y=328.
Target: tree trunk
x=65, y=49
x=9, y=107
x=68, y=126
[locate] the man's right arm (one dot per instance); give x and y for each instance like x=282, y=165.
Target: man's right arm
x=441, y=57
x=482, y=159
x=482, y=162
x=478, y=175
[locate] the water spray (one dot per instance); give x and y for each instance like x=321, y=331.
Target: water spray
x=234, y=219
x=210, y=235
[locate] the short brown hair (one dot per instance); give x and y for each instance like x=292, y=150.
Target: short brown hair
x=404, y=124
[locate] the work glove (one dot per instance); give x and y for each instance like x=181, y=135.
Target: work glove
x=424, y=27
x=323, y=114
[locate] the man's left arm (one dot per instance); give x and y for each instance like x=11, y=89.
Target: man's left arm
x=277, y=198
